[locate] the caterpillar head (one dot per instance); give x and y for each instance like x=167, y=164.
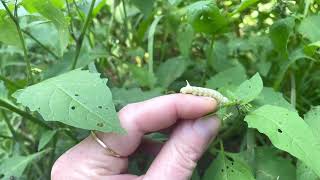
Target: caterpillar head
x=186, y=89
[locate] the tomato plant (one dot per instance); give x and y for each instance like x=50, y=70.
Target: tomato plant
x=68, y=66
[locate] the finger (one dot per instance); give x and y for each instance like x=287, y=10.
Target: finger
x=153, y=115
x=180, y=154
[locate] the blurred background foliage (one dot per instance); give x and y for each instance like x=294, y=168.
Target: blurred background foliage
x=149, y=48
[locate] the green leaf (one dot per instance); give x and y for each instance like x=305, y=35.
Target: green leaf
x=185, y=38
x=170, y=70
x=270, y=166
x=49, y=11
x=144, y=6
x=249, y=90
x=312, y=118
x=227, y=167
x=312, y=48
x=14, y=166
x=46, y=138
x=122, y=96
x=287, y=131
x=174, y=2
x=245, y=4
x=205, y=16
x=270, y=96
x=229, y=77
x=9, y=34
x=305, y=173
x=310, y=28
x=77, y=98
x=280, y=32
x=143, y=76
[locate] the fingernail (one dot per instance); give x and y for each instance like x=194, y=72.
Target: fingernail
x=207, y=126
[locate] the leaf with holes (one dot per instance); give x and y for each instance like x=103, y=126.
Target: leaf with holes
x=78, y=98
x=228, y=167
x=287, y=131
x=249, y=90
x=270, y=165
x=312, y=118
x=303, y=172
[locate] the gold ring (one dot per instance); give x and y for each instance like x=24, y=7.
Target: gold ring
x=106, y=147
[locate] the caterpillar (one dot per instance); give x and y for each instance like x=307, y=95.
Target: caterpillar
x=200, y=91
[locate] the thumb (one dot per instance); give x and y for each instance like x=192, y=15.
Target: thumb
x=180, y=154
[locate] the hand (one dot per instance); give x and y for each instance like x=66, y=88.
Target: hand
x=176, y=159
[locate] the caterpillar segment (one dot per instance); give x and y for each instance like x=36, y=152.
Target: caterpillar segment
x=200, y=91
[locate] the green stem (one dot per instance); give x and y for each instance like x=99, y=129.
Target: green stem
x=77, y=9
x=82, y=35
x=23, y=114
x=6, y=137
x=125, y=17
x=25, y=51
x=12, y=83
x=42, y=45
x=293, y=96
x=72, y=20
x=6, y=119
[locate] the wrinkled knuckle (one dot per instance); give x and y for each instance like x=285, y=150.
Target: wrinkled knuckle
x=187, y=155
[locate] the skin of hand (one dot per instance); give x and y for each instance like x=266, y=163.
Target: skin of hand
x=176, y=158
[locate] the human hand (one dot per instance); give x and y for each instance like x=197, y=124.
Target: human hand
x=176, y=159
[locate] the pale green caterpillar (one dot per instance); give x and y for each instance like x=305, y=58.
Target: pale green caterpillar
x=200, y=91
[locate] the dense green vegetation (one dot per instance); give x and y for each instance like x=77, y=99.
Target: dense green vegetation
x=264, y=55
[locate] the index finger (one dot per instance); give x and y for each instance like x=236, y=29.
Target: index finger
x=153, y=115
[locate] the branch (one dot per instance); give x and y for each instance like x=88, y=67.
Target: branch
x=42, y=45
x=23, y=114
x=82, y=35
x=25, y=51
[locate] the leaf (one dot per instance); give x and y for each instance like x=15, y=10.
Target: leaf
x=46, y=138
x=13, y=167
x=305, y=173
x=312, y=118
x=144, y=6
x=245, y=4
x=271, y=166
x=205, y=16
x=143, y=76
x=280, y=32
x=287, y=131
x=49, y=11
x=229, y=77
x=175, y=2
x=310, y=28
x=312, y=48
x=270, y=96
x=249, y=89
x=185, y=38
x=77, y=98
x=122, y=96
x=227, y=167
x=170, y=70
x=9, y=34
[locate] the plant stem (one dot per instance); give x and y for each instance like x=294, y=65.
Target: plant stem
x=42, y=45
x=293, y=96
x=125, y=17
x=23, y=114
x=12, y=83
x=25, y=51
x=72, y=20
x=11, y=129
x=82, y=35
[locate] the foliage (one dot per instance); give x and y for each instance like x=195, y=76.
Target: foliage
x=67, y=67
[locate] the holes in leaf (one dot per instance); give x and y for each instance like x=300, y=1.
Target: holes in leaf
x=222, y=170
x=230, y=159
x=73, y=107
x=249, y=86
x=1, y=175
x=227, y=167
x=279, y=130
x=100, y=124
x=76, y=94
x=100, y=107
x=232, y=170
